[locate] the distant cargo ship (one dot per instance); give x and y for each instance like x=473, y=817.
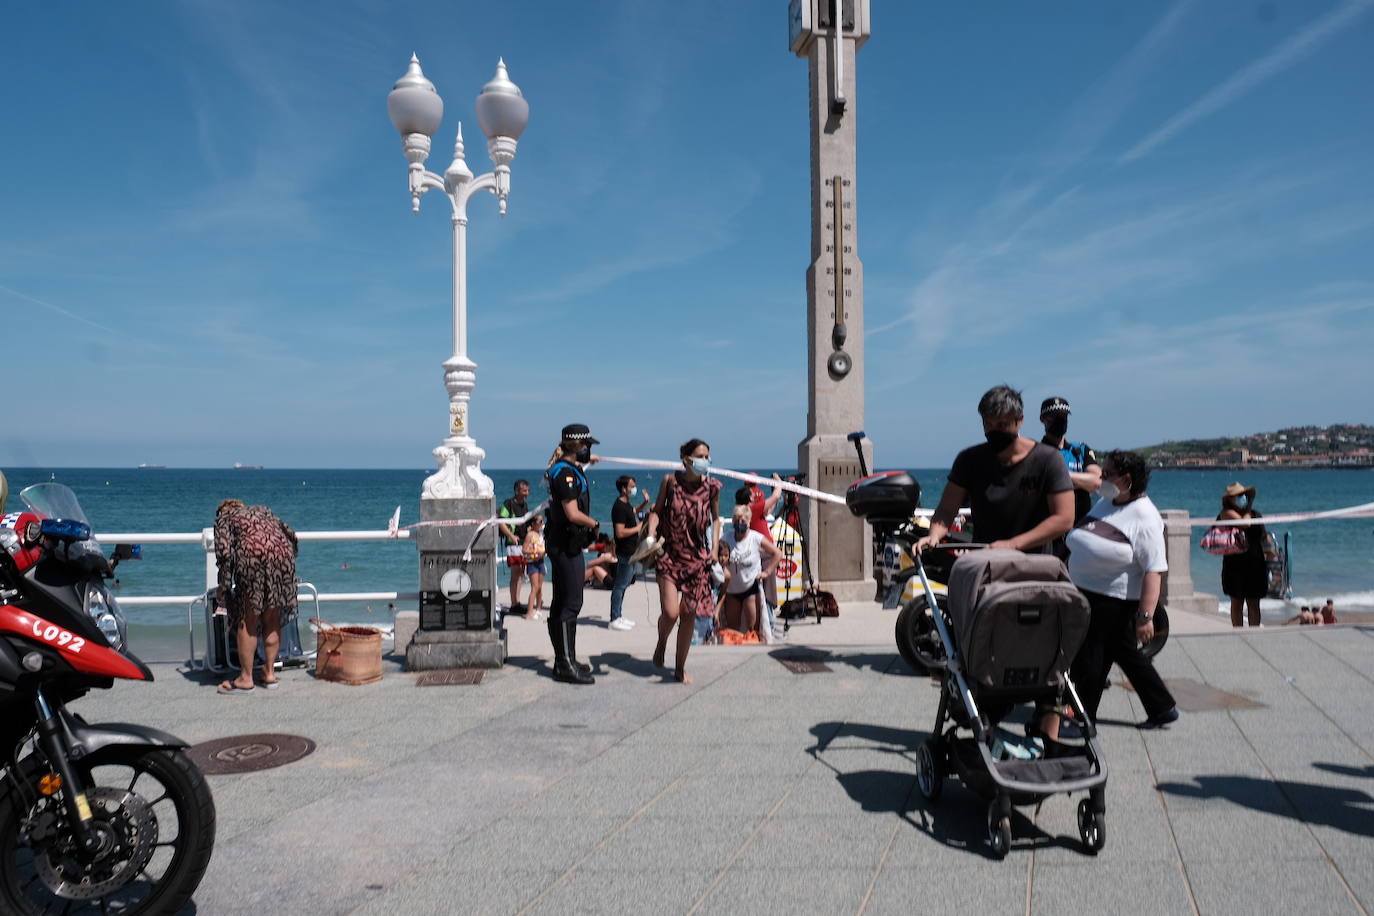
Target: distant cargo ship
x=152, y=467
x=247, y=467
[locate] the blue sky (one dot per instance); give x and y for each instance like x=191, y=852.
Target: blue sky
x=1162, y=211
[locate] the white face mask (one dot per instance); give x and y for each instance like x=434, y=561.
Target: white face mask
x=1109, y=490
x=634, y=491
x=701, y=466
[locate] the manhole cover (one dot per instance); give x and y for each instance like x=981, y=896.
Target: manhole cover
x=450, y=677
x=248, y=753
x=802, y=664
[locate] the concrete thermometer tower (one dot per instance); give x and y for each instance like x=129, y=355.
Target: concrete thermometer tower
x=829, y=33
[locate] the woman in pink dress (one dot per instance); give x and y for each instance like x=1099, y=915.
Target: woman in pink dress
x=684, y=512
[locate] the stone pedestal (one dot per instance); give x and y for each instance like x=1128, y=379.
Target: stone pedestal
x=456, y=632
x=1178, y=594
x=839, y=543
x=432, y=650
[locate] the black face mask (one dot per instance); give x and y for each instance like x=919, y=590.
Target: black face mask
x=998, y=439
x=1056, y=428
x=583, y=455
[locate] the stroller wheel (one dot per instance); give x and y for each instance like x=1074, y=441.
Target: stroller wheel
x=1092, y=828
x=999, y=830
x=930, y=776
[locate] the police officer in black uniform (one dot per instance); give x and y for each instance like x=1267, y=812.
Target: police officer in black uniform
x=569, y=531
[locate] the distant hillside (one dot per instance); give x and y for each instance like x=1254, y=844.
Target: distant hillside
x=1345, y=444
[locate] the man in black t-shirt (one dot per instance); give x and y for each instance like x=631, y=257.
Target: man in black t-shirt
x=516, y=506
x=625, y=519
x=569, y=531
x=1018, y=490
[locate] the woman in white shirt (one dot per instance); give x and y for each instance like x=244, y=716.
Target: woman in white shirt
x=752, y=560
x=1117, y=560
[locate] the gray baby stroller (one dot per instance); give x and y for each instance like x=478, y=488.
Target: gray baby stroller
x=1015, y=622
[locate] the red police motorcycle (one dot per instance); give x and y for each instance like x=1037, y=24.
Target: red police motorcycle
x=98, y=818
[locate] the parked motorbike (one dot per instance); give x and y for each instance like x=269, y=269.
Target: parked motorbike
x=98, y=818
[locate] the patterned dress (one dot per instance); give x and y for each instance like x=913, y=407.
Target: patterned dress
x=686, y=554
x=256, y=555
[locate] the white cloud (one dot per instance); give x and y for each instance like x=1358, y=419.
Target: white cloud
x=1292, y=51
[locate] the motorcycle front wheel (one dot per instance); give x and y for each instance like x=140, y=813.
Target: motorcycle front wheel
x=918, y=641
x=153, y=814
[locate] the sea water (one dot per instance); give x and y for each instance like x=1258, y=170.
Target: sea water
x=1331, y=558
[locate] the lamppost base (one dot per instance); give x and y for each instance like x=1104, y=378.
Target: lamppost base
x=456, y=626
x=459, y=476
x=437, y=650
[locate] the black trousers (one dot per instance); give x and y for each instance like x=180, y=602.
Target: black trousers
x=1111, y=639
x=567, y=572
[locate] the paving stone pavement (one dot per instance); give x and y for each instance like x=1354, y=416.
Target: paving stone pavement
x=759, y=790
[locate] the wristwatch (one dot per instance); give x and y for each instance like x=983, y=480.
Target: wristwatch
x=1142, y=619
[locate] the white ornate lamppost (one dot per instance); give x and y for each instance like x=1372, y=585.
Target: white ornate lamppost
x=457, y=568
x=502, y=112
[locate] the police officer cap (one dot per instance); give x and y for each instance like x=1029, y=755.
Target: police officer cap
x=578, y=432
x=1054, y=405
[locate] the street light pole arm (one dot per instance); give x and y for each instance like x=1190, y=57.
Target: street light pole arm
x=421, y=181
x=487, y=182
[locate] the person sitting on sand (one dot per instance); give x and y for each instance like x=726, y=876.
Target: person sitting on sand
x=600, y=570
x=1329, y=612
x=1304, y=617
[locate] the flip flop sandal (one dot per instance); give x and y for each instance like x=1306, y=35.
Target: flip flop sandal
x=270, y=685
x=229, y=689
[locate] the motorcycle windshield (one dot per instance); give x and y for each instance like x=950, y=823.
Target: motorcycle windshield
x=53, y=500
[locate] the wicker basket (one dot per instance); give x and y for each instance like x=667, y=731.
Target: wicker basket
x=348, y=655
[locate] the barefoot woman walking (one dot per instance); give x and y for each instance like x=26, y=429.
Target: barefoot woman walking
x=684, y=513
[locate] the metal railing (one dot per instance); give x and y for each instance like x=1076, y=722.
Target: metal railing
x=206, y=539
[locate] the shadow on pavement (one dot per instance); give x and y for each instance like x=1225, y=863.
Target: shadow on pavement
x=624, y=661
x=893, y=740
x=1344, y=809
x=1366, y=772
x=957, y=819
x=881, y=662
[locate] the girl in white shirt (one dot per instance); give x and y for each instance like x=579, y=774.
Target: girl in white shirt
x=752, y=560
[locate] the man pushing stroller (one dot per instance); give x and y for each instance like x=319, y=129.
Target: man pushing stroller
x=1014, y=624
x=1017, y=489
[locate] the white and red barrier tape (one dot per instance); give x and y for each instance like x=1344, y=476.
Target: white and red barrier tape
x=1364, y=510
x=737, y=475
x=394, y=527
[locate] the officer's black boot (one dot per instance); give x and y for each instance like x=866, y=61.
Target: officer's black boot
x=582, y=667
x=563, y=669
